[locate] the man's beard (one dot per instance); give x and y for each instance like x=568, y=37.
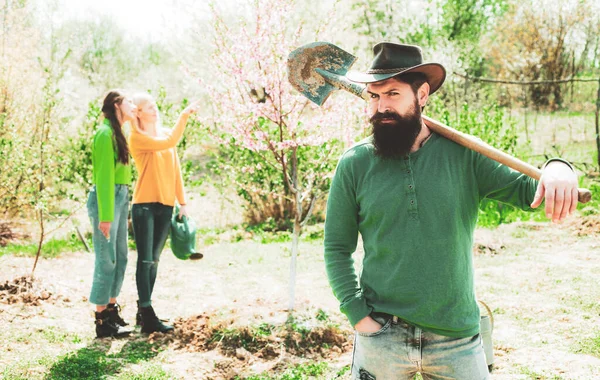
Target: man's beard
x=395, y=139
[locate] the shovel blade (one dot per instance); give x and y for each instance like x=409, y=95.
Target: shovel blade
x=302, y=65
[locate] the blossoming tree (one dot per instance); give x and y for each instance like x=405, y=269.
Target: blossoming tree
x=288, y=146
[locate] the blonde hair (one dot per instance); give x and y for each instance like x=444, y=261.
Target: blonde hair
x=140, y=99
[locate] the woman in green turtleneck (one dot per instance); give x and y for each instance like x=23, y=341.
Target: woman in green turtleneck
x=108, y=209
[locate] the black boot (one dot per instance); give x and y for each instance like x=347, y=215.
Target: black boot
x=114, y=311
x=151, y=323
x=105, y=327
x=138, y=315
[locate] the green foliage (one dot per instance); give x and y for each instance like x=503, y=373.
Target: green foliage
x=495, y=128
x=153, y=372
x=590, y=345
x=532, y=374
x=49, y=334
x=464, y=22
x=593, y=206
x=137, y=351
x=105, y=55
x=264, y=233
x=454, y=24
x=87, y=363
x=78, y=169
x=30, y=168
x=147, y=372
x=345, y=369
x=384, y=21
x=299, y=334
x=50, y=249
x=260, y=183
x=466, y=19
x=298, y=324
x=195, y=134
x=493, y=213
x=302, y=371
x=322, y=315
x=94, y=362
x=249, y=338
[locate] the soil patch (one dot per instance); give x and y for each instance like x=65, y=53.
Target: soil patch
x=587, y=225
x=266, y=341
x=488, y=249
x=26, y=290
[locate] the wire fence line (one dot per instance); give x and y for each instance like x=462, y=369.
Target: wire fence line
x=553, y=81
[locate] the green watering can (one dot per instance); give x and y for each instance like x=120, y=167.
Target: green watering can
x=183, y=237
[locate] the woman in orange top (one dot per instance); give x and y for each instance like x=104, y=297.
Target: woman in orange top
x=158, y=186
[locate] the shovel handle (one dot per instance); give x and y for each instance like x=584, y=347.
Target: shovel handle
x=473, y=143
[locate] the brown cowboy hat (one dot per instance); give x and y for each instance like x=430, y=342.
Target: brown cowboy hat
x=395, y=59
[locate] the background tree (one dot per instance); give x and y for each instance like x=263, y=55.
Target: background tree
x=276, y=148
x=541, y=40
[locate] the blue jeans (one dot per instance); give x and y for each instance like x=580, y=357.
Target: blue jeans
x=111, y=255
x=399, y=350
x=151, y=226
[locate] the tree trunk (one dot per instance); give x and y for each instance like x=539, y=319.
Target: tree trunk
x=297, y=229
x=295, y=240
x=40, y=242
x=597, y=121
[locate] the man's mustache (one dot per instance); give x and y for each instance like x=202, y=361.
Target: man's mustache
x=385, y=115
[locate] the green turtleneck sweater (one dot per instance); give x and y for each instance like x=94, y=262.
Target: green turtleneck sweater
x=416, y=216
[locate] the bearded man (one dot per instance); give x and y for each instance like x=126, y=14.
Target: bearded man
x=414, y=196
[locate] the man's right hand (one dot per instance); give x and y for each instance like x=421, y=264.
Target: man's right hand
x=367, y=325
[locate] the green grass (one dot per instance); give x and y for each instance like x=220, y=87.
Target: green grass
x=148, y=371
x=53, y=336
x=322, y=315
x=22, y=369
x=298, y=372
x=264, y=234
x=50, y=249
x=590, y=346
x=94, y=363
x=137, y=351
x=345, y=369
x=303, y=371
x=538, y=376
x=86, y=363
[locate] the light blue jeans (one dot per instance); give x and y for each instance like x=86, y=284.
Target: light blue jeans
x=399, y=350
x=111, y=254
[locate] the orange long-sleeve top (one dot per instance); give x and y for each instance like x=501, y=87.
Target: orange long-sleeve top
x=157, y=164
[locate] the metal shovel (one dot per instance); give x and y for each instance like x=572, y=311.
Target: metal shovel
x=319, y=68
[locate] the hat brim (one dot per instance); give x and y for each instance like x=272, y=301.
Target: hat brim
x=435, y=73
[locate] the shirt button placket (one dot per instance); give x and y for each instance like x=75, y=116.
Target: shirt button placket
x=410, y=189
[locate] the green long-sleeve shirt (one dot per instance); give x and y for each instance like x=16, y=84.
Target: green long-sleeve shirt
x=416, y=216
x=108, y=171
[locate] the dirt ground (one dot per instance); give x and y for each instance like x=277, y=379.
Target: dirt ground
x=541, y=280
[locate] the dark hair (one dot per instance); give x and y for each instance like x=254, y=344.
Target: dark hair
x=109, y=110
x=415, y=80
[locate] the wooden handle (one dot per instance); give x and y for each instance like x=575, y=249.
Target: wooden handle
x=497, y=155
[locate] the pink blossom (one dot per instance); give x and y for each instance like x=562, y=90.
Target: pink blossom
x=256, y=106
